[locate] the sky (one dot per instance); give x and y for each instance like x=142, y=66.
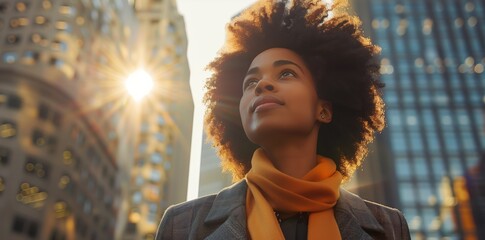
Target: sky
x=205, y=22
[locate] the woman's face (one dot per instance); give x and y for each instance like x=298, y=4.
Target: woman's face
x=279, y=97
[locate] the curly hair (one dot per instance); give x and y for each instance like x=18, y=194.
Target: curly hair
x=341, y=60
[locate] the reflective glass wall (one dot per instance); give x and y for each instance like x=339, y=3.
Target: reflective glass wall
x=433, y=57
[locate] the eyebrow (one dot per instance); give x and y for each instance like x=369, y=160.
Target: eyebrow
x=277, y=63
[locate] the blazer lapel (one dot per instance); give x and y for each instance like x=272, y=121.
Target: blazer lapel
x=354, y=219
x=228, y=213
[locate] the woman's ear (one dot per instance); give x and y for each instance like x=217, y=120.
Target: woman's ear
x=324, y=111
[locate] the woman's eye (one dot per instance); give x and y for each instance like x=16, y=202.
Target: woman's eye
x=286, y=74
x=250, y=83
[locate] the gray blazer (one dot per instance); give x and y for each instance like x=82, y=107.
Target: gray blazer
x=223, y=216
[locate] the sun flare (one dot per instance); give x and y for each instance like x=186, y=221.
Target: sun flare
x=139, y=84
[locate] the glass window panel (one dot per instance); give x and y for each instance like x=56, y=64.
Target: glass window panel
x=446, y=119
x=408, y=98
x=425, y=192
x=405, y=81
x=428, y=118
x=407, y=193
x=472, y=160
x=458, y=97
x=438, y=167
x=450, y=142
x=390, y=98
x=432, y=140
x=416, y=141
x=403, y=169
x=468, y=142
x=156, y=158
x=411, y=214
x=398, y=142
x=420, y=168
x=456, y=167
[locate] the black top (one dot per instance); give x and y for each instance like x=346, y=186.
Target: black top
x=295, y=227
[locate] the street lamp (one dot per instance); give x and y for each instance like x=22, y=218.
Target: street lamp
x=139, y=84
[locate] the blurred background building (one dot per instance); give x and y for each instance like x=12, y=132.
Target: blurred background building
x=212, y=180
x=79, y=157
x=427, y=161
x=159, y=175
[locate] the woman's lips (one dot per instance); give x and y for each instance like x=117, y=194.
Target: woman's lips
x=265, y=102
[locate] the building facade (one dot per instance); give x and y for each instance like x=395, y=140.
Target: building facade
x=158, y=177
x=58, y=168
x=211, y=179
x=427, y=160
x=79, y=159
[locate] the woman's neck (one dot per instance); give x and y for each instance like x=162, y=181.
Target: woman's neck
x=294, y=158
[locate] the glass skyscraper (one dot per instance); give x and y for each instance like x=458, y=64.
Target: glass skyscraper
x=433, y=57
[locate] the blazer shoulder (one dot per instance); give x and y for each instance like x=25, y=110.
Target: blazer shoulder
x=177, y=221
x=391, y=219
x=198, y=218
x=192, y=205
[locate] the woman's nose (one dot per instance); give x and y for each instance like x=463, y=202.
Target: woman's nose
x=264, y=85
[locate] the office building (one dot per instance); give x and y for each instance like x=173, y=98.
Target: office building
x=58, y=167
x=79, y=159
x=158, y=176
x=433, y=57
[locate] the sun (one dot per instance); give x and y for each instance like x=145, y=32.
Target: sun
x=139, y=84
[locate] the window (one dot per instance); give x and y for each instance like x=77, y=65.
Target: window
x=159, y=136
x=43, y=112
x=93, y=156
x=46, y=4
x=137, y=198
x=65, y=182
x=9, y=57
x=62, y=25
x=41, y=20
x=19, y=22
x=32, y=229
x=156, y=158
x=12, y=39
x=160, y=120
x=67, y=10
x=59, y=45
x=407, y=194
x=403, y=169
x=2, y=185
x=39, y=39
x=4, y=155
x=30, y=57
x=21, y=6
x=31, y=195
x=87, y=206
x=68, y=157
x=37, y=167
x=8, y=129
x=155, y=175
x=61, y=209
x=57, y=235
x=14, y=102
x=142, y=147
x=38, y=138
x=18, y=224
x=3, y=7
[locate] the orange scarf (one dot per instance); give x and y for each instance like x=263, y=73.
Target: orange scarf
x=269, y=189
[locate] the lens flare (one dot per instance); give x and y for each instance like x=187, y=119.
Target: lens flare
x=139, y=84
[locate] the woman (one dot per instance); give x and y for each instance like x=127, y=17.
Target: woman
x=292, y=104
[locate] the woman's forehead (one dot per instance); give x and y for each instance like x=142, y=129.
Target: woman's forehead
x=270, y=55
